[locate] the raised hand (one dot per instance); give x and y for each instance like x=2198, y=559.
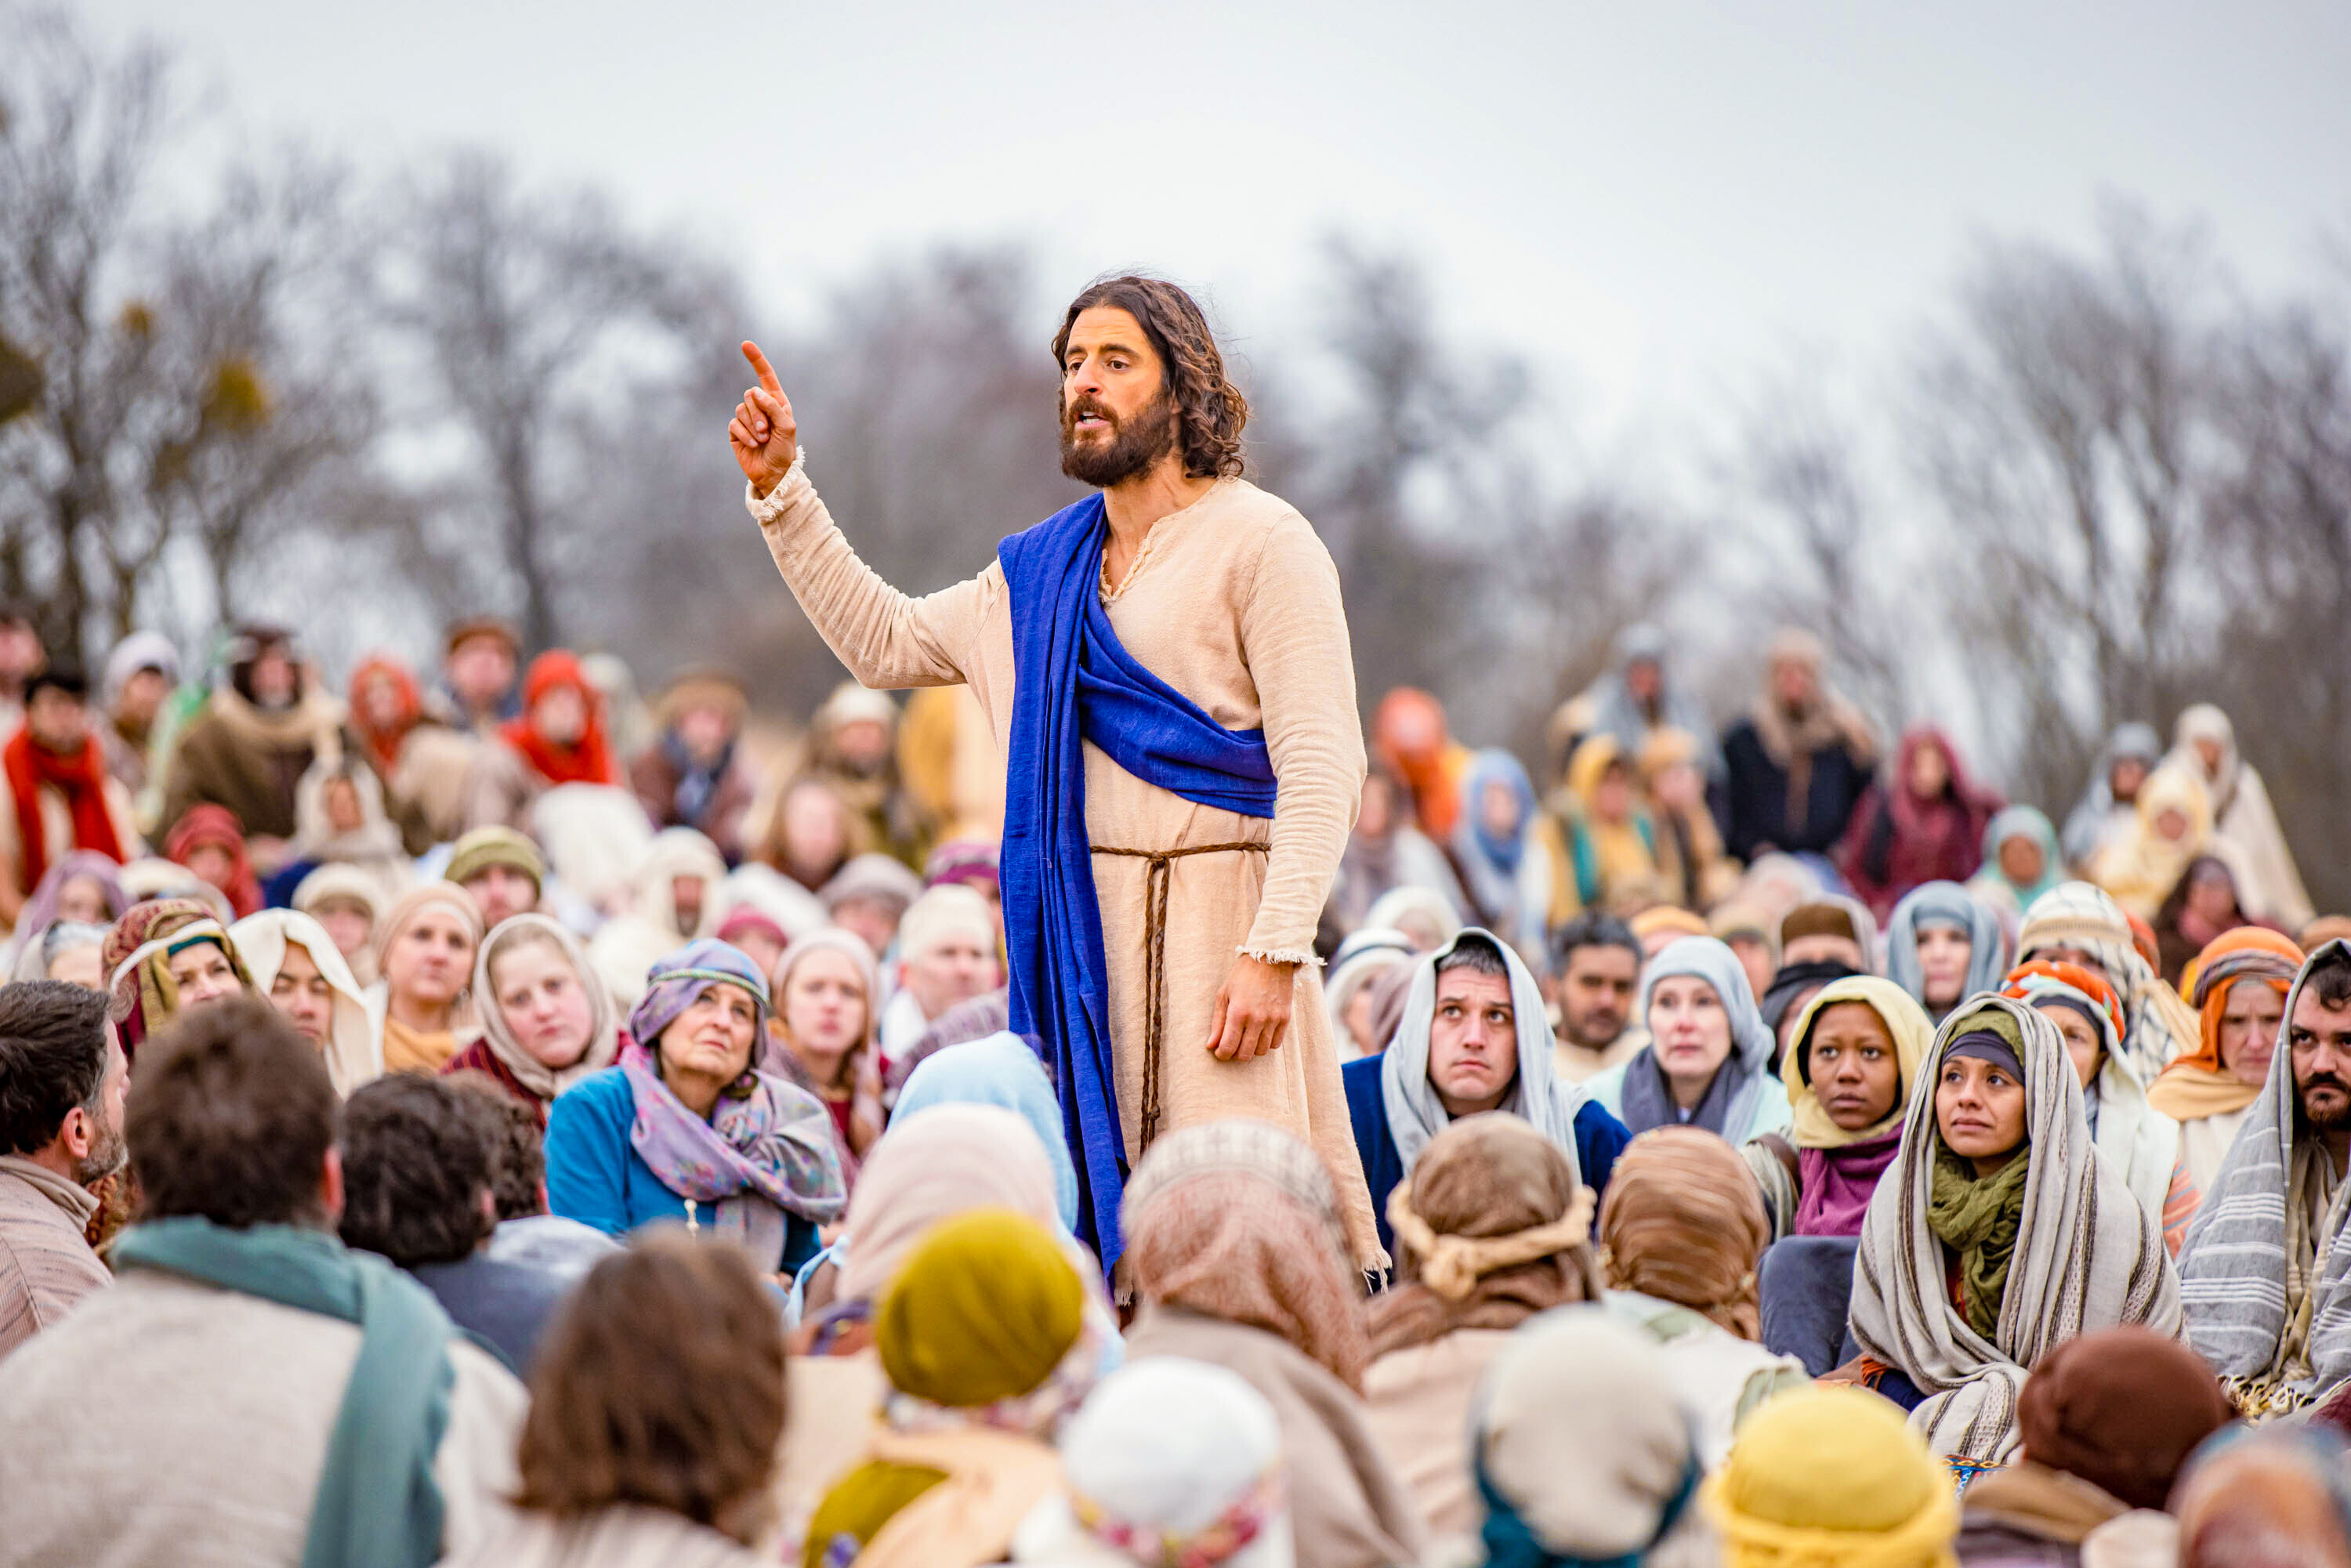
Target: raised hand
x=762, y=431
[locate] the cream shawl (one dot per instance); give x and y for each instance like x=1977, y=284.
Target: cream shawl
x=2089, y=1255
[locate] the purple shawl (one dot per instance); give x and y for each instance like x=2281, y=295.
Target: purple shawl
x=765, y=1138
x=775, y=1141
x=1836, y=1184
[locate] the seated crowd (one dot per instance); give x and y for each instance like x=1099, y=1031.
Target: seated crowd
x=507, y=1125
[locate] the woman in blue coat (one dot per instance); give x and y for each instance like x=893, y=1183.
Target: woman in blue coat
x=686, y=1129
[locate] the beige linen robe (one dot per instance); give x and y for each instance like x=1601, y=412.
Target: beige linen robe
x=1234, y=601
x=167, y=1423
x=45, y=1267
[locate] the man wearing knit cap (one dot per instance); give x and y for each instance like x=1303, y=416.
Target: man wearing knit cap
x=501, y=870
x=947, y=954
x=869, y=896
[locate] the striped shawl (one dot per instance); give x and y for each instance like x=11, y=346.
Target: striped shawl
x=2089, y=1255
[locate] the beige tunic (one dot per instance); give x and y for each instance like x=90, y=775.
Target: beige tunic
x=1234, y=601
x=168, y=1423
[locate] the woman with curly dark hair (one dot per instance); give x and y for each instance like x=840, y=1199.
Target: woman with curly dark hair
x=1161, y=913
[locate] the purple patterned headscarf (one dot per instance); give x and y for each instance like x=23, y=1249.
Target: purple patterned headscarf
x=766, y=1139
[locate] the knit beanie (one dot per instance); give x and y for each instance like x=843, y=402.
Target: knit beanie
x=944, y=914
x=482, y=848
x=2121, y=1408
x=982, y=1310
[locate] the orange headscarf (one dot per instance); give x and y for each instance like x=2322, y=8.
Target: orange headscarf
x=2086, y=981
x=2200, y=1083
x=589, y=759
x=383, y=745
x=1408, y=731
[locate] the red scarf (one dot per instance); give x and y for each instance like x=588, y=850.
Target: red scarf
x=80, y=778
x=217, y=825
x=589, y=759
x=383, y=745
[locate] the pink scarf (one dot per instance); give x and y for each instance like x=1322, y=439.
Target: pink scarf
x=1838, y=1183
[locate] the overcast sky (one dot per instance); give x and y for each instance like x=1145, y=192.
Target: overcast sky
x=1658, y=200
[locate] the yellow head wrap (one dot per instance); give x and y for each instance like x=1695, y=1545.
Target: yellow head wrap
x=1904, y=1018
x=1831, y=1477
x=984, y=1308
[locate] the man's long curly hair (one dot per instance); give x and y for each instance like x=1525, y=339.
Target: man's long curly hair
x=1210, y=410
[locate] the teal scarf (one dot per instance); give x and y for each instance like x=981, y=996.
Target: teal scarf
x=377, y=1505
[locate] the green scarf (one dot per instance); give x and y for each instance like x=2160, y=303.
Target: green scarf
x=377, y=1505
x=1979, y=1219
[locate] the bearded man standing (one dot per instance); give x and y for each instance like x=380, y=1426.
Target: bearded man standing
x=1165, y=667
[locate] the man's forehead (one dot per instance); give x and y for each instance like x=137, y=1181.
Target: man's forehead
x=1106, y=327
x=1606, y=956
x=1475, y=985
x=2311, y=1012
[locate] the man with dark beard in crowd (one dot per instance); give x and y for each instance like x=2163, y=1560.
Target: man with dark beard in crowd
x=1161, y=910
x=61, y=1086
x=2262, y=1277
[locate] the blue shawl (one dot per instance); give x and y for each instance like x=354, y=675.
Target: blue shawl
x=1072, y=680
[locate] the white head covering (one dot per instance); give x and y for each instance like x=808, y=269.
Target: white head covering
x=1415, y=1113
x=604, y=1016
x=595, y=837
x=354, y=1052
x=139, y=651
x=681, y=852
x=1398, y=905
x=946, y=911
x=1580, y=1435
x=1164, y=1453
x=1370, y=952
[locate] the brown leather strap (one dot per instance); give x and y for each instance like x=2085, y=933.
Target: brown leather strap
x=1785, y=1152
x=1157, y=877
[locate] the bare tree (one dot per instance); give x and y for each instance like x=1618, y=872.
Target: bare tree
x=2064, y=424
x=78, y=134
x=521, y=314
x=281, y=422
x=1831, y=557
x=2281, y=521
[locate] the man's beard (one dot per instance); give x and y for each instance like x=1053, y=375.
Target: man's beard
x=1133, y=446
x=1580, y=1031
x=107, y=1154
x=2334, y=1120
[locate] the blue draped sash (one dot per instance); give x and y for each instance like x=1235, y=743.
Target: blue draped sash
x=1072, y=680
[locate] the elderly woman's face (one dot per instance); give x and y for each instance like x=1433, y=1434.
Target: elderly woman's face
x=82, y=966
x=712, y=1038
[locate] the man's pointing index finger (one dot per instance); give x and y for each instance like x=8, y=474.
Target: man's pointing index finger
x=767, y=372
